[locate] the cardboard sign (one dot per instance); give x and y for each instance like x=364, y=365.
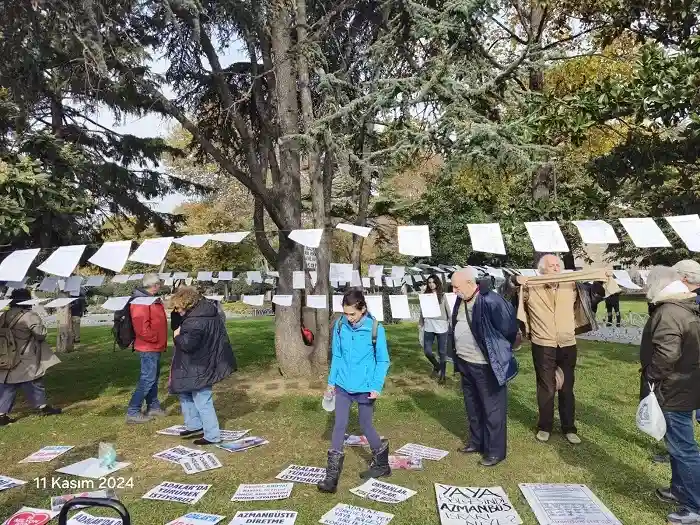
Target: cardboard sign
x=57, y=502
x=197, y=518
x=420, y=451
x=8, y=483
x=176, y=454
x=302, y=474
x=263, y=492
x=31, y=516
x=460, y=505
x=178, y=492
x=343, y=514
x=47, y=454
x=264, y=517
x=385, y=492
x=200, y=463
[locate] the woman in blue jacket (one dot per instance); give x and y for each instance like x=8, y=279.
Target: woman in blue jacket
x=358, y=369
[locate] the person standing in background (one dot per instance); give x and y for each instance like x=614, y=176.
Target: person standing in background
x=612, y=304
x=77, y=311
x=436, y=328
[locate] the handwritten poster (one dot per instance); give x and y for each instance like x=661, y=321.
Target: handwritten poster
x=384, y=492
x=200, y=463
x=197, y=518
x=83, y=518
x=264, y=517
x=478, y=505
x=263, y=492
x=178, y=492
x=47, y=454
x=8, y=483
x=302, y=474
x=561, y=504
x=176, y=454
x=343, y=514
x=420, y=451
x=31, y=516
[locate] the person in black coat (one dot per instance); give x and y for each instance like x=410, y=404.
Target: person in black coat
x=203, y=356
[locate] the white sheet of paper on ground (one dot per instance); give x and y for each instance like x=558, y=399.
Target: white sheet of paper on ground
x=298, y=280
x=73, y=284
x=645, y=233
x=399, y=307
x=375, y=306
x=197, y=518
x=338, y=304
x=561, y=504
x=366, y=282
x=254, y=300
x=152, y=251
x=546, y=236
x=384, y=492
x=687, y=227
x=414, y=241
x=362, y=231
x=32, y=516
x=90, y=468
x=63, y=261
x=205, y=276
x=47, y=453
x=176, y=454
x=421, y=451
x=622, y=277
x=200, y=463
x=596, y=232
x=112, y=255
x=302, y=474
x=225, y=276
x=376, y=271
x=255, y=517
x=341, y=272
x=83, y=518
x=33, y=302
x=459, y=505
x=16, y=265
x=120, y=279
x=254, y=276
x=144, y=301
x=356, y=281
x=57, y=502
x=116, y=303
x=178, y=492
x=429, y=305
x=263, y=492
x=192, y=241
x=317, y=301
x=60, y=302
x=283, y=300
x=308, y=238
x=487, y=238
x=343, y=514
x=8, y=483
x=231, y=237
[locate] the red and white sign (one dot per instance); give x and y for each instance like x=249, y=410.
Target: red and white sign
x=31, y=516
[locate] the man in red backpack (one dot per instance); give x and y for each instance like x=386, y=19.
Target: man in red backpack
x=151, y=339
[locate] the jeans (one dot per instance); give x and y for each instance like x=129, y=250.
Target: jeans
x=546, y=360
x=33, y=391
x=147, y=387
x=198, y=411
x=685, y=458
x=365, y=407
x=428, y=339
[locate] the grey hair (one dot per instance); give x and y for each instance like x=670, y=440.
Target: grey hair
x=468, y=273
x=540, y=263
x=688, y=270
x=150, y=279
x=659, y=278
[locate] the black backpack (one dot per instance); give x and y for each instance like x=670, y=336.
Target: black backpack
x=123, y=327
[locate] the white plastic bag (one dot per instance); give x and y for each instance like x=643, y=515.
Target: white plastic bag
x=650, y=418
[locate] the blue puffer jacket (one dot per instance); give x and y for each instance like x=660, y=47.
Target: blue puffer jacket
x=495, y=327
x=357, y=367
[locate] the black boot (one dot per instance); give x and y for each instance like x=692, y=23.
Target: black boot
x=333, y=470
x=379, y=466
x=436, y=365
x=443, y=372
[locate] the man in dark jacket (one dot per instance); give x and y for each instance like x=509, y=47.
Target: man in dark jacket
x=203, y=356
x=670, y=359
x=484, y=330
x=77, y=311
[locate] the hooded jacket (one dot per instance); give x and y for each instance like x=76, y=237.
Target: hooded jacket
x=150, y=324
x=203, y=354
x=670, y=351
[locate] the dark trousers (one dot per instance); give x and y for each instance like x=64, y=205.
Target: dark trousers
x=428, y=339
x=147, y=387
x=612, y=304
x=365, y=408
x=33, y=390
x=486, y=403
x=547, y=359
x=685, y=458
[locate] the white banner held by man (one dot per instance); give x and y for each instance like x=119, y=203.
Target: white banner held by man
x=362, y=231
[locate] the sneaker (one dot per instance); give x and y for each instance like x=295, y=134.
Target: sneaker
x=156, y=412
x=48, y=410
x=684, y=517
x=666, y=495
x=137, y=419
x=542, y=436
x=191, y=433
x=6, y=420
x=573, y=438
x=205, y=442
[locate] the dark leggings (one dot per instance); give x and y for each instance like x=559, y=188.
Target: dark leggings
x=343, y=402
x=428, y=338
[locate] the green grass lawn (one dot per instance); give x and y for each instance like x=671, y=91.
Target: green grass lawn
x=94, y=385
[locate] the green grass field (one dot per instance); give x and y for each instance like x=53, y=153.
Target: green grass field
x=94, y=383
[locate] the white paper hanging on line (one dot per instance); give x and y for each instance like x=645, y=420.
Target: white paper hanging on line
x=414, y=241
x=376, y=271
x=399, y=307
x=282, y=300
x=15, y=266
x=397, y=272
x=308, y=238
x=95, y=280
x=562, y=504
x=145, y=301
x=429, y=305
x=272, y=517
x=298, y=280
x=343, y=514
x=546, y=237
x=180, y=275
x=116, y=303
x=356, y=280
x=60, y=302
x=205, y=276
x=645, y=233
x=254, y=277
x=596, y=232
x=366, y=282
x=230, y=237
x=487, y=238
x=384, y=492
x=33, y=302
x=362, y=231
x=389, y=281
x=112, y=255
x=152, y=251
x=687, y=227
x=622, y=277
x=136, y=277
x=460, y=505
x=192, y=241
x=48, y=284
x=375, y=306
x=338, y=304
x=320, y=302
x=225, y=276
x=73, y=284
x=254, y=300
x=341, y=272
x=313, y=277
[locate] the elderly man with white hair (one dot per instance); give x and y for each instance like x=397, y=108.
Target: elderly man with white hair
x=689, y=272
x=670, y=359
x=484, y=329
x=553, y=308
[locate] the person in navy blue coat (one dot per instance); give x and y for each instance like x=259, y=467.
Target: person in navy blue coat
x=485, y=329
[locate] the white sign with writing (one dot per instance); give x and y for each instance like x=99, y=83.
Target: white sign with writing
x=178, y=492
x=302, y=474
x=264, y=517
x=263, y=492
x=385, y=492
x=343, y=514
x=8, y=483
x=200, y=463
x=561, y=504
x=478, y=505
x=47, y=454
x=197, y=518
x=420, y=451
x=83, y=518
x=176, y=454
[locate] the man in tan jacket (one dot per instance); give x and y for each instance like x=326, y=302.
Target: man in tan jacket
x=553, y=308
